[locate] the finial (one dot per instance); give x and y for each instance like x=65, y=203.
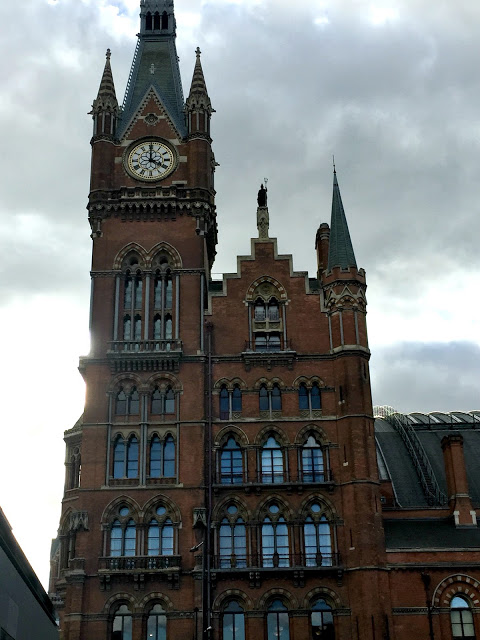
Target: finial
x=334, y=170
x=198, y=52
x=108, y=54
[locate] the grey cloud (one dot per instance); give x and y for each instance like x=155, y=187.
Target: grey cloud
x=427, y=376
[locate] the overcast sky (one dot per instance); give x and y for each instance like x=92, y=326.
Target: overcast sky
x=391, y=87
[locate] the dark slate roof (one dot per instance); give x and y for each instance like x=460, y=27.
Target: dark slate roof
x=433, y=533
x=159, y=51
x=429, y=430
x=400, y=467
x=340, y=251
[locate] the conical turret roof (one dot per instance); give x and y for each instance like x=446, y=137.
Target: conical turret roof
x=340, y=251
x=198, y=91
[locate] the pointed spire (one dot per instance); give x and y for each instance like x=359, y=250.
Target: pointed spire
x=105, y=106
x=340, y=253
x=198, y=96
x=107, y=86
x=198, y=102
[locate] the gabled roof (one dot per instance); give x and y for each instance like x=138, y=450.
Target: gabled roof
x=340, y=251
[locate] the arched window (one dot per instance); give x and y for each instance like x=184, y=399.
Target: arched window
x=163, y=401
x=122, y=624
x=156, y=20
x=316, y=398
x=157, y=328
x=275, y=548
x=162, y=457
x=169, y=457
x=322, y=621
x=127, y=328
x=461, y=618
x=168, y=328
x=312, y=468
x=119, y=457
x=273, y=311
x=270, y=400
x=233, y=622
x=237, y=399
x=231, y=463
x=157, y=624
x=123, y=535
x=277, y=621
x=156, y=406
x=148, y=22
x=134, y=402
x=75, y=470
x=224, y=403
x=259, y=311
x=127, y=293
x=303, y=397
x=272, y=461
x=132, y=457
x=309, y=399
x=161, y=533
x=155, y=457
x=168, y=291
x=158, y=288
x=263, y=396
x=160, y=538
x=138, y=328
x=164, y=20
x=317, y=538
x=276, y=398
x=233, y=540
x=138, y=286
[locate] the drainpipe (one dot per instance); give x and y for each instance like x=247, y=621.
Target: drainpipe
x=426, y=583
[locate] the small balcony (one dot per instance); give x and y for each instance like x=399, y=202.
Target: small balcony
x=279, y=480
x=277, y=562
x=268, y=353
x=145, y=564
x=145, y=355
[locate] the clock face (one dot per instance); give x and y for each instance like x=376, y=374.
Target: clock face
x=150, y=160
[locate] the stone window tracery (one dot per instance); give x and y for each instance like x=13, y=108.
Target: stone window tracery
x=267, y=319
x=123, y=534
x=162, y=457
x=125, y=457
x=272, y=462
x=232, y=538
x=312, y=461
x=274, y=537
x=231, y=462
x=317, y=537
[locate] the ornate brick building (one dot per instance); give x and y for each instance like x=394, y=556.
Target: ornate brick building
x=223, y=481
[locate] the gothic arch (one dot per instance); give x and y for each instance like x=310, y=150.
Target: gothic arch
x=268, y=429
x=288, y=598
x=262, y=507
x=330, y=597
x=301, y=436
x=155, y=597
x=329, y=510
x=255, y=290
x=131, y=247
x=308, y=382
x=232, y=594
x=171, y=506
x=157, y=250
x=224, y=433
x=118, y=598
x=230, y=383
x=127, y=380
x=112, y=506
x=167, y=379
x=456, y=584
x=238, y=502
x=269, y=383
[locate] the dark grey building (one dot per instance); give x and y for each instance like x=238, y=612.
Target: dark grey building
x=26, y=612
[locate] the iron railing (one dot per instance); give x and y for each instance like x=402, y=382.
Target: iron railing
x=277, y=561
x=148, y=563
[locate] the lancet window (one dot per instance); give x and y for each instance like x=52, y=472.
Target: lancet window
x=231, y=462
x=125, y=457
x=123, y=534
x=278, y=621
x=275, y=543
x=271, y=462
x=161, y=533
x=317, y=538
x=232, y=538
x=230, y=402
x=162, y=457
x=312, y=461
x=267, y=316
